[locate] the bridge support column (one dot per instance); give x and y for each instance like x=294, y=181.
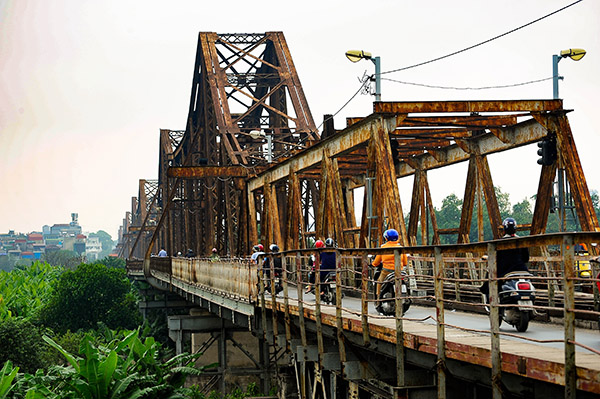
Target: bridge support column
x=220, y=341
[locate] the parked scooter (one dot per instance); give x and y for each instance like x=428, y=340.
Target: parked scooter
x=387, y=305
x=519, y=292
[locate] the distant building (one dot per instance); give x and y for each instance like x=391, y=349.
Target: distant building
x=93, y=247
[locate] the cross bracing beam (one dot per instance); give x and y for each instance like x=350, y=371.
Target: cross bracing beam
x=418, y=137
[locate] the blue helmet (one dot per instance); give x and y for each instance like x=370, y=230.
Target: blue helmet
x=390, y=235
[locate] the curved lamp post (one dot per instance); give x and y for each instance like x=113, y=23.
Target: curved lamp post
x=573, y=53
x=357, y=55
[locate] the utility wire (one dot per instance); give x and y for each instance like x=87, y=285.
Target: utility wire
x=363, y=84
x=483, y=42
x=467, y=88
x=441, y=58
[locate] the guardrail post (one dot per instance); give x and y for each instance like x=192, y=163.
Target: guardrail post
x=264, y=346
x=439, y=307
x=494, y=322
x=273, y=299
x=286, y=303
x=302, y=377
x=338, y=312
x=569, y=317
x=364, y=299
x=399, y=300
x=318, y=321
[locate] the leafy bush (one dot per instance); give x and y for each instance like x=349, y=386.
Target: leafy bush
x=124, y=367
x=24, y=291
x=21, y=343
x=109, y=262
x=90, y=294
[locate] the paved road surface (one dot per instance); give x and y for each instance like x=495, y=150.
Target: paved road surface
x=536, y=330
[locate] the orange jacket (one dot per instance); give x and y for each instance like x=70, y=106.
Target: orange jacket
x=388, y=260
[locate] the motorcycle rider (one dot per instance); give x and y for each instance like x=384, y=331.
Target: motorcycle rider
x=274, y=248
x=390, y=237
x=508, y=260
x=257, y=250
x=327, y=262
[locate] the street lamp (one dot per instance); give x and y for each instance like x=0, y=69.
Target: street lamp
x=573, y=53
x=357, y=55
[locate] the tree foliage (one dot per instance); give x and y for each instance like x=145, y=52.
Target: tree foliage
x=109, y=262
x=21, y=343
x=62, y=257
x=123, y=366
x=24, y=291
x=90, y=294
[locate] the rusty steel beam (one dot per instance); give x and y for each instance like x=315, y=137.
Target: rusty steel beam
x=467, y=106
x=337, y=145
x=524, y=133
x=199, y=172
x=351, y=138
x=460, y=121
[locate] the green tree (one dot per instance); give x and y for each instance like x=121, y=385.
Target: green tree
x=110, y=261
x=90, y=294
x=522, y=213
x=448, y=217
x=24, y=291
x=62, y=257
x=21, y=343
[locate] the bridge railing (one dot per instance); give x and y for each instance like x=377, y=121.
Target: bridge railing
x=450, y=275
x=232, y=278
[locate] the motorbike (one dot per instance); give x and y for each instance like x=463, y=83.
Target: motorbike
x=278, y=285
x=387, y=306
x=519, y=292
x=328, y=288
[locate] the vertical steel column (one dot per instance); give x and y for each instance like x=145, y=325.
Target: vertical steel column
x=439, y=305
x=222, y=355
x=273, y=299
x=318, y=320
x=364, y=312
x=263, y=344
x=400, y=381
x=286, y=304
x=569, y=317
x=302, y=326
x=494, y=322
x=338, y=312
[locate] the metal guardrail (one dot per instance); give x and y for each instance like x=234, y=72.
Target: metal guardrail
x=449, y=273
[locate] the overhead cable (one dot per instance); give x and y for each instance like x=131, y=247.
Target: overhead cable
x=467, y=88
x=483, y=42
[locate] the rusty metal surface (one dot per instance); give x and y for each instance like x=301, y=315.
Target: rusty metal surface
x=467, y=106
x=197, y=172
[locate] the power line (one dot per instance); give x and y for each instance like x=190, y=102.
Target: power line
x=467, y=88
x=483, y=42
x=364, y=82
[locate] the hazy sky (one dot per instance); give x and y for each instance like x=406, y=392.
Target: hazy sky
x=86, y=85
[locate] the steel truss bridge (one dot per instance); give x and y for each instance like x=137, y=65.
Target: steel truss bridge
x=252, y=167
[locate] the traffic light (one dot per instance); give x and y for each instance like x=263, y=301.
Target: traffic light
x=547, y=151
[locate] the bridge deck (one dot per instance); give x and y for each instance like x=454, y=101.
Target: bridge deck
x=528, y=359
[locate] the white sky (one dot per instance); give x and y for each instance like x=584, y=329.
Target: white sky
x=86, y=85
